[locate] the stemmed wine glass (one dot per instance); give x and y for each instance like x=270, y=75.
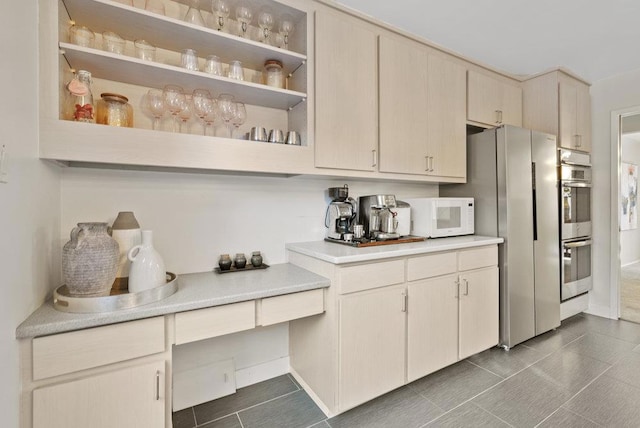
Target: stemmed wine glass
x=227, y=107
x=193, y=15
x=240, y=116
x=210, y=116
x=265, y=22
x=202, y=101
x=173, y=100
x=222, y=10
x=286, y=28
x=185, y=114
x=244, y=16
x=154, y=102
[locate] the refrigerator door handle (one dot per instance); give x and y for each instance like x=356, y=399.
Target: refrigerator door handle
x=535, y=207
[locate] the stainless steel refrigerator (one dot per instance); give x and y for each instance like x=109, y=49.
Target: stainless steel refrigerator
x=512, y=174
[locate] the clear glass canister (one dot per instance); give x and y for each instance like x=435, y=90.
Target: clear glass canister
x=272, y=73
x=79, y=102
x=114, y=110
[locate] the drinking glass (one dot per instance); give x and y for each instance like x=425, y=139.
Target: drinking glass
x=235, y=70
x=227, y=107
x=155, y=6
x=213, y=65
x=221, y=10
x=265, y=22
x=211, y=114
x=154, y=102
x=189, y=59
x=286, y=28
x=185, y=114
x=240, y=116
x=81, y=36
x=144, y=50
x=244, y=16
x=173, y=101
x=201, y=101
x=193, y=15
x=111, y=42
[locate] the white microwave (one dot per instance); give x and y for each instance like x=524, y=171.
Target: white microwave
x=439, y=217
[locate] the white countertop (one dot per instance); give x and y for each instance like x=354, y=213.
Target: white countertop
x=340, y=254
x=195, y=291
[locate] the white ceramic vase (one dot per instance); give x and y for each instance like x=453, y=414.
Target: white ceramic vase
x=126, y=232
x=147, y=267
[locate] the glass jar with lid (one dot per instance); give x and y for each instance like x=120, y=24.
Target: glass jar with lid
x=272, y=73
x=79, y=102
x=114, y=110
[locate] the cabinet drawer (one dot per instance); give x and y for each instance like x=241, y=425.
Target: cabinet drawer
x=217, y=321
x=476, y=258
x=71, y=352
x=431, y=265
x=278, y=309
x=371, y=275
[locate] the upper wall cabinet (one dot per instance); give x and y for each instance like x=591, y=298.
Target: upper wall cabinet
x=493, y=101
x=422, y=111
x=559, y=104
x=119, y=67
x=347, y=96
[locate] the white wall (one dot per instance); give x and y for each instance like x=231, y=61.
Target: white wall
x=29, y=203
x=615, y=93
x=630, y=239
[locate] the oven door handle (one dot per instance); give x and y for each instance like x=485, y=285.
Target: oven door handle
x=575, y=184
x=577, y=244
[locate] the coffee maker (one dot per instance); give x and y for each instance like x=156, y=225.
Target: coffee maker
x=340, y=213
x=379, y=215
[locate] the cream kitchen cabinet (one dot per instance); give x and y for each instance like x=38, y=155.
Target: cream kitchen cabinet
x=559, y=103
x=451, y=316
x=76, y=143
x=347, y=92
x=493, y=100
x=422, y=124
x=128, y=397
x=391, y=321
x=372, y=344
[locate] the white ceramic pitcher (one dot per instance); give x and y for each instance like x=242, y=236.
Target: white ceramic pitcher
x=147, y=267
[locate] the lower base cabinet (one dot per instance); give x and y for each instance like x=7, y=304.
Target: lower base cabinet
x=131, y=397
x=362, y=355
x=406, y=318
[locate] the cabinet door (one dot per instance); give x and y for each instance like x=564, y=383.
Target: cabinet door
x=432, y=337
x=131, y=397
x=493, y=102
x=478, y=311
x=371, y=345
x=346, y=93
x=583, y=116
x=568, y=132
x=446, y=131
x=404, y=106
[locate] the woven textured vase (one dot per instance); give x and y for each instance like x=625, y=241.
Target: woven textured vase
x=90, y=260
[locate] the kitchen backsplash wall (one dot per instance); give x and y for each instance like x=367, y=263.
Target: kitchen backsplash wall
x=197, y=217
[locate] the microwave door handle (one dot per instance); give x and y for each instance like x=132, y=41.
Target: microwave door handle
x=578, y=244
x=575, y=184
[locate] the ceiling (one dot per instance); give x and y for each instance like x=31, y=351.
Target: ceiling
x=595, y=39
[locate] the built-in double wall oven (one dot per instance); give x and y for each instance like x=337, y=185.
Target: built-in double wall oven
x=575, y=223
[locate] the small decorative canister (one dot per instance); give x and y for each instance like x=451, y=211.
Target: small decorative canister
x=147, y=267
x=256, y=259
x=114, y=110
x=79, y=102
x=272, y=73
x=126, y=231
x=90, y=260
x=225, y=262
x=240, y=261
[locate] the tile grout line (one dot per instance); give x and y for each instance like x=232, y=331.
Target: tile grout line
x=582, y=416
x=485, y=369
x=239, y=420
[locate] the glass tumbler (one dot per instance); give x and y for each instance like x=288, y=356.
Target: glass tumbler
x=111, y=42
x=144, y=50
x=235, y=70
x=213, y=65
x=81, y=36
x=189, y=59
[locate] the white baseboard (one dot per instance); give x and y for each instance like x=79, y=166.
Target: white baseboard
x=574, y=306
x=601, y=311
x=261, y=372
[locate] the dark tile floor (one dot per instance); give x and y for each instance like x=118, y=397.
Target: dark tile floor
x=584, y=374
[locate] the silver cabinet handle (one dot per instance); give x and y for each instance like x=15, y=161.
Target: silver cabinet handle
x=157, y=385
x=430, y=163
x=466, y=286
x=426, y=163
x=375, y=157
x=576, y=139
x=498, y=116
x=405, y=301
